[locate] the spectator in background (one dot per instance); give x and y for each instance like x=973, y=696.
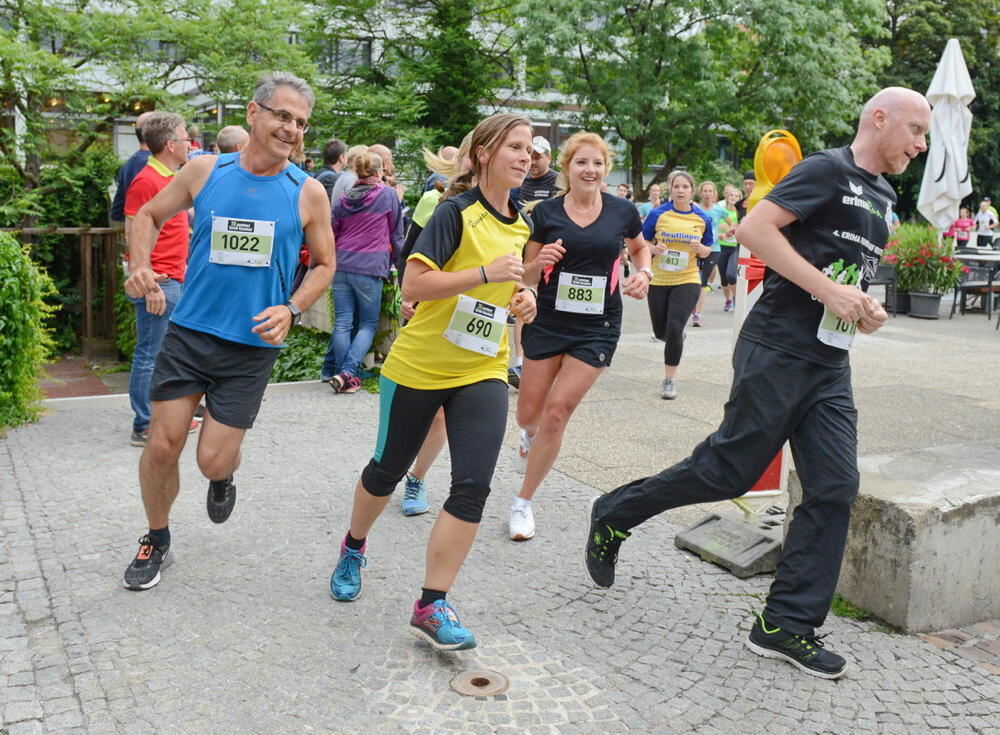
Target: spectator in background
x=232, y=138
x=334, y=160
x=445, y=153
x=624, y=192
x=347, y=176
x=368, y=231
x=194, y=134
x=603, y=187
x=168, y=147
x=129, y=169
x=749, y=182
x=540, y=182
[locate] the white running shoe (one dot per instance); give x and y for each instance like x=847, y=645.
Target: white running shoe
x=522, y=520
x=521, y=460
x=668, y=390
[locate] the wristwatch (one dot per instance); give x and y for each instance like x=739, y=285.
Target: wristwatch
x=296, y=312
x=648, y=272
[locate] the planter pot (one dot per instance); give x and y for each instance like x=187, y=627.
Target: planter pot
x=924, y=305
x=902, y=302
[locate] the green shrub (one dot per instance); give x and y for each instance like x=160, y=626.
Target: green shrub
x=125, y=334
x=302, y=357
x=25, y=340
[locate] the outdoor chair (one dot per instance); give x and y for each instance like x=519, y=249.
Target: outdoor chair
x=885, y=275
x=977, y=283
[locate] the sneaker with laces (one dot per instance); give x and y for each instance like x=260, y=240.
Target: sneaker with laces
x=728, y=306
x=601, y=552
x=804, y=651
x=414, y=497
x=668, y=389
x=345, y=383
x=521, y=460
x=696, y=319
x=521, y=526
x=438, y=624
x=345, y=583
x=139, y=438
x=144, y=571
x=221, y=499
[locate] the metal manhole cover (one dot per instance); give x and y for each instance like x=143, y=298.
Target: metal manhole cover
x=480, y=683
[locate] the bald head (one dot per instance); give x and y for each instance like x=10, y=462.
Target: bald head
x=232, y=138
x=892, y=100
x=448, y=152
x=892, y=130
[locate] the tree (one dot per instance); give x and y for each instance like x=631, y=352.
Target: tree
x=668, y=78
x=427, y=68
x=69, y=70
x=917, y=31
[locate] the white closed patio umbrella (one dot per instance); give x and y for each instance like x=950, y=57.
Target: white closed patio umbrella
x=946, y=171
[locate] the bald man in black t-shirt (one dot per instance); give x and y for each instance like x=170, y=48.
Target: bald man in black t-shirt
x=821, y=232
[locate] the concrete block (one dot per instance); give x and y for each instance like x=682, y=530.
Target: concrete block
x=923, y=549
x=727, y=540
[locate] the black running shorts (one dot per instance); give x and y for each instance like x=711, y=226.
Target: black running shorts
x=231, y=375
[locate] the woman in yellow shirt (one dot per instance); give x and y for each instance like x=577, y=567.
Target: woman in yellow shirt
x=680, y=232
x=465, y=274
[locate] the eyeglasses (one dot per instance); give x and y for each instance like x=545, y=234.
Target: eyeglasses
x=285, y=117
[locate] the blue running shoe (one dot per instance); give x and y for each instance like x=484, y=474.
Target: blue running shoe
x=414, y=497
x=438, y=624
x=345, y=584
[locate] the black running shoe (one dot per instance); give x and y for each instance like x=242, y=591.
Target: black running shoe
x=601, y=554
x=804, y=651
x=221, y=499
x=144, y=571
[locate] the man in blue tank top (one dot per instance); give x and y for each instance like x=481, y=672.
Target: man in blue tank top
x=253, y=210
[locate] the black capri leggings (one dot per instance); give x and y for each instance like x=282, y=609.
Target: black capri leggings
x=669, y=309
x=728, y=259
x=476, y=419
x=705, y=265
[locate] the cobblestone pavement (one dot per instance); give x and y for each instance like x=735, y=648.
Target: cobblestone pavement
x=241, y=636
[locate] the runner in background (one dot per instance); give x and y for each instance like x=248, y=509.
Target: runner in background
x=708, y=197
x=728, y=247
x=680, y=233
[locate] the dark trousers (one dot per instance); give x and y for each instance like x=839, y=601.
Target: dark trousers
x=775, y=397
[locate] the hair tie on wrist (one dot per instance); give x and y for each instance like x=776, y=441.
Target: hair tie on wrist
x=482, y=272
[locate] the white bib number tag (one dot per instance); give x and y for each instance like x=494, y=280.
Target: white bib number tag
x=674, y=260
x=581, y=294
x=476, y=326
x=835, y=332
x=242, y=242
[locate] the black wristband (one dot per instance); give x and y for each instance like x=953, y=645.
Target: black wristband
x=529, y=288
x=482, y=272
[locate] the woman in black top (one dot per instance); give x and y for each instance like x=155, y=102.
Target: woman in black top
x=574, y=256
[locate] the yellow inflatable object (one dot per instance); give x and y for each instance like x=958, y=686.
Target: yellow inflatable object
x=776, y=153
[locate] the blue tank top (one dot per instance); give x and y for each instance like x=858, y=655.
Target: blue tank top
x=245, y=247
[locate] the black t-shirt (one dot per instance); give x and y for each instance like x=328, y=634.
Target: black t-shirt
x=593, y=250
x=544, y=187
x=843, y=223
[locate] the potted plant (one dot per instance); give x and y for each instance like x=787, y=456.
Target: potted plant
x=925, y=268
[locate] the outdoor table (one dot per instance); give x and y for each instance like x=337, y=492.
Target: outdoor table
x=989, y=258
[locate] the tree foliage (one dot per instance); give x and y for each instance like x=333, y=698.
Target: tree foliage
x=917, y=31
x=68, y=70
x=668, y=78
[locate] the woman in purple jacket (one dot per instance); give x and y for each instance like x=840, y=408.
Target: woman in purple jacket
x=368, y=225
